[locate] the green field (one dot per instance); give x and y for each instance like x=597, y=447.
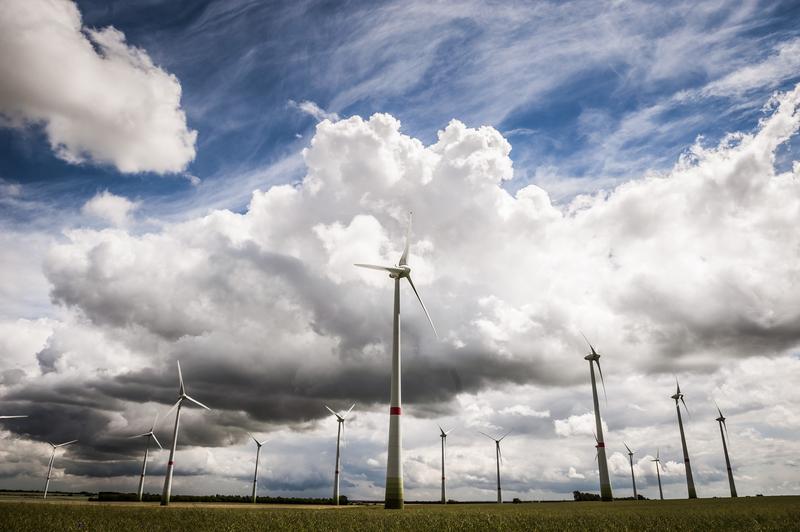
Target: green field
x=751, y=513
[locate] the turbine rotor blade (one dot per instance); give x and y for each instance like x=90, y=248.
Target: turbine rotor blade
x=718, y=410
x=726, y=430
x=591, y=347
x=603, y=382
x=198, y=403
x=331, y=411
x=156, y=440
x=348, y=410
x=11, y=417
x=180, y=378
x=404, y=256
x=65, y=443
x=626, y=446
x=173, y=407
x=479, y=432
x=139, y=435
x=155, y=420
x=685, y=407
x=390, y=269
x=506, y=434
x=423, y=305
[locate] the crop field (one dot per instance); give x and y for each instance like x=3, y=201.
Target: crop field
x=755, y=513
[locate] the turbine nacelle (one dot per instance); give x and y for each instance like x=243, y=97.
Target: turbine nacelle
x=399, y=272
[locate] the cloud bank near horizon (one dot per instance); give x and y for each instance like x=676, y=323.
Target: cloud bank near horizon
x=270, y=318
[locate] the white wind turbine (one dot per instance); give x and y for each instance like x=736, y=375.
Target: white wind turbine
x=443, y=435
x=50, y=465
x=499, y=457
x=150, y=434
x=602, y=463
x=394, y=462
x=171, y=463
x=255, y=474
x=633, y=478
x=689, y=479
x=340, y=418
x=657, y=460
x=721, y=421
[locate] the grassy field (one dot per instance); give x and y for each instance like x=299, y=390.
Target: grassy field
x=756, y=513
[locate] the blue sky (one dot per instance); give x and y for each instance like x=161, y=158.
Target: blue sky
x=193, y=181
x=582, y=91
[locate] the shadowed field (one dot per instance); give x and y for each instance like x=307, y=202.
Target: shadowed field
x=752, y=513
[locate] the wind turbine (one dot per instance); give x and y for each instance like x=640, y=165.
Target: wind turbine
x=394, y=462
x=444, y=444
x=689, y=480
x=149, y=435
x=171, y=463
x=499, y=457
x=602, y=463
x=50, y=465
x=721, y=421
x=255, y=474
x=340, y=418
x=658, y=473
x=633, y=478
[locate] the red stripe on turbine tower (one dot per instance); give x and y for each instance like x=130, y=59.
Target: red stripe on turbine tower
x=394, y=411
x=600, y=444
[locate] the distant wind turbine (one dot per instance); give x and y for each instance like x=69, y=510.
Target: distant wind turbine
x=602, y=463
x=255, y=474
x=689, y=480
x=171, y=463
x=394, y=463
x=340, y=418
x=721, y=421
x=633, y=478
x=443, y=435
x=149, y=435
x=50, y=465
x=658, y=473
x=499, y=457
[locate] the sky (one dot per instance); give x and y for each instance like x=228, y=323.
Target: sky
x=193, y=181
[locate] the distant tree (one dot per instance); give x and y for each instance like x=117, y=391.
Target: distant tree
x=582, y=496
x=516, y=500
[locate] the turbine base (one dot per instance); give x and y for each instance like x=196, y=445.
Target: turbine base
x=394, y=494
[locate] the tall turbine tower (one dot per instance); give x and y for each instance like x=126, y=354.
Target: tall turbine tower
x=146, y=451
x=658, y=473
x=171, y=464
x=443, y=435
x=255, y=473
x=499, y=457
x=50, y=465
x=633, y=478
x=721, y=421
x=340, y=418
x=602, y=463
x=394, y=462
x=689, y=480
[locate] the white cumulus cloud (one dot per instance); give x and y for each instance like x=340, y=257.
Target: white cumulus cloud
x=97, y=98
x=114, y=209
